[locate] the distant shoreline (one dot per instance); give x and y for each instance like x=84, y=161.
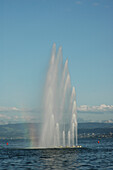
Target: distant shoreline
x=85, y=130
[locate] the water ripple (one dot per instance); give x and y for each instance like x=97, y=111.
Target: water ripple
x=93, y=157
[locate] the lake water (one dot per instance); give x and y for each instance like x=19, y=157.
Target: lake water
x=93, y=155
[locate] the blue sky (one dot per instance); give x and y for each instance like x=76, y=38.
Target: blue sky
x=28, y=29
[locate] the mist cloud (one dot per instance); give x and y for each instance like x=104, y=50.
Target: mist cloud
x=95, y=109
x=82, y=109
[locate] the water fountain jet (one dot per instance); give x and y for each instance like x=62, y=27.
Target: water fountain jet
x=59, y=105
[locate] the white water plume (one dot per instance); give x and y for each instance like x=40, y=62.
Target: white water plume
x=64, y=138
x=59, y=105
x=69, y=138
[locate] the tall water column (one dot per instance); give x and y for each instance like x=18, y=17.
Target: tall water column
x=59, y=104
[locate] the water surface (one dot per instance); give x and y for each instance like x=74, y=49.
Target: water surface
x=91, y=156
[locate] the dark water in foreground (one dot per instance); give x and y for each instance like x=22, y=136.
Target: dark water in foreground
x=91, y=156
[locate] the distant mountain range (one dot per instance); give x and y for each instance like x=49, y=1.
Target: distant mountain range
x=33, y=130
